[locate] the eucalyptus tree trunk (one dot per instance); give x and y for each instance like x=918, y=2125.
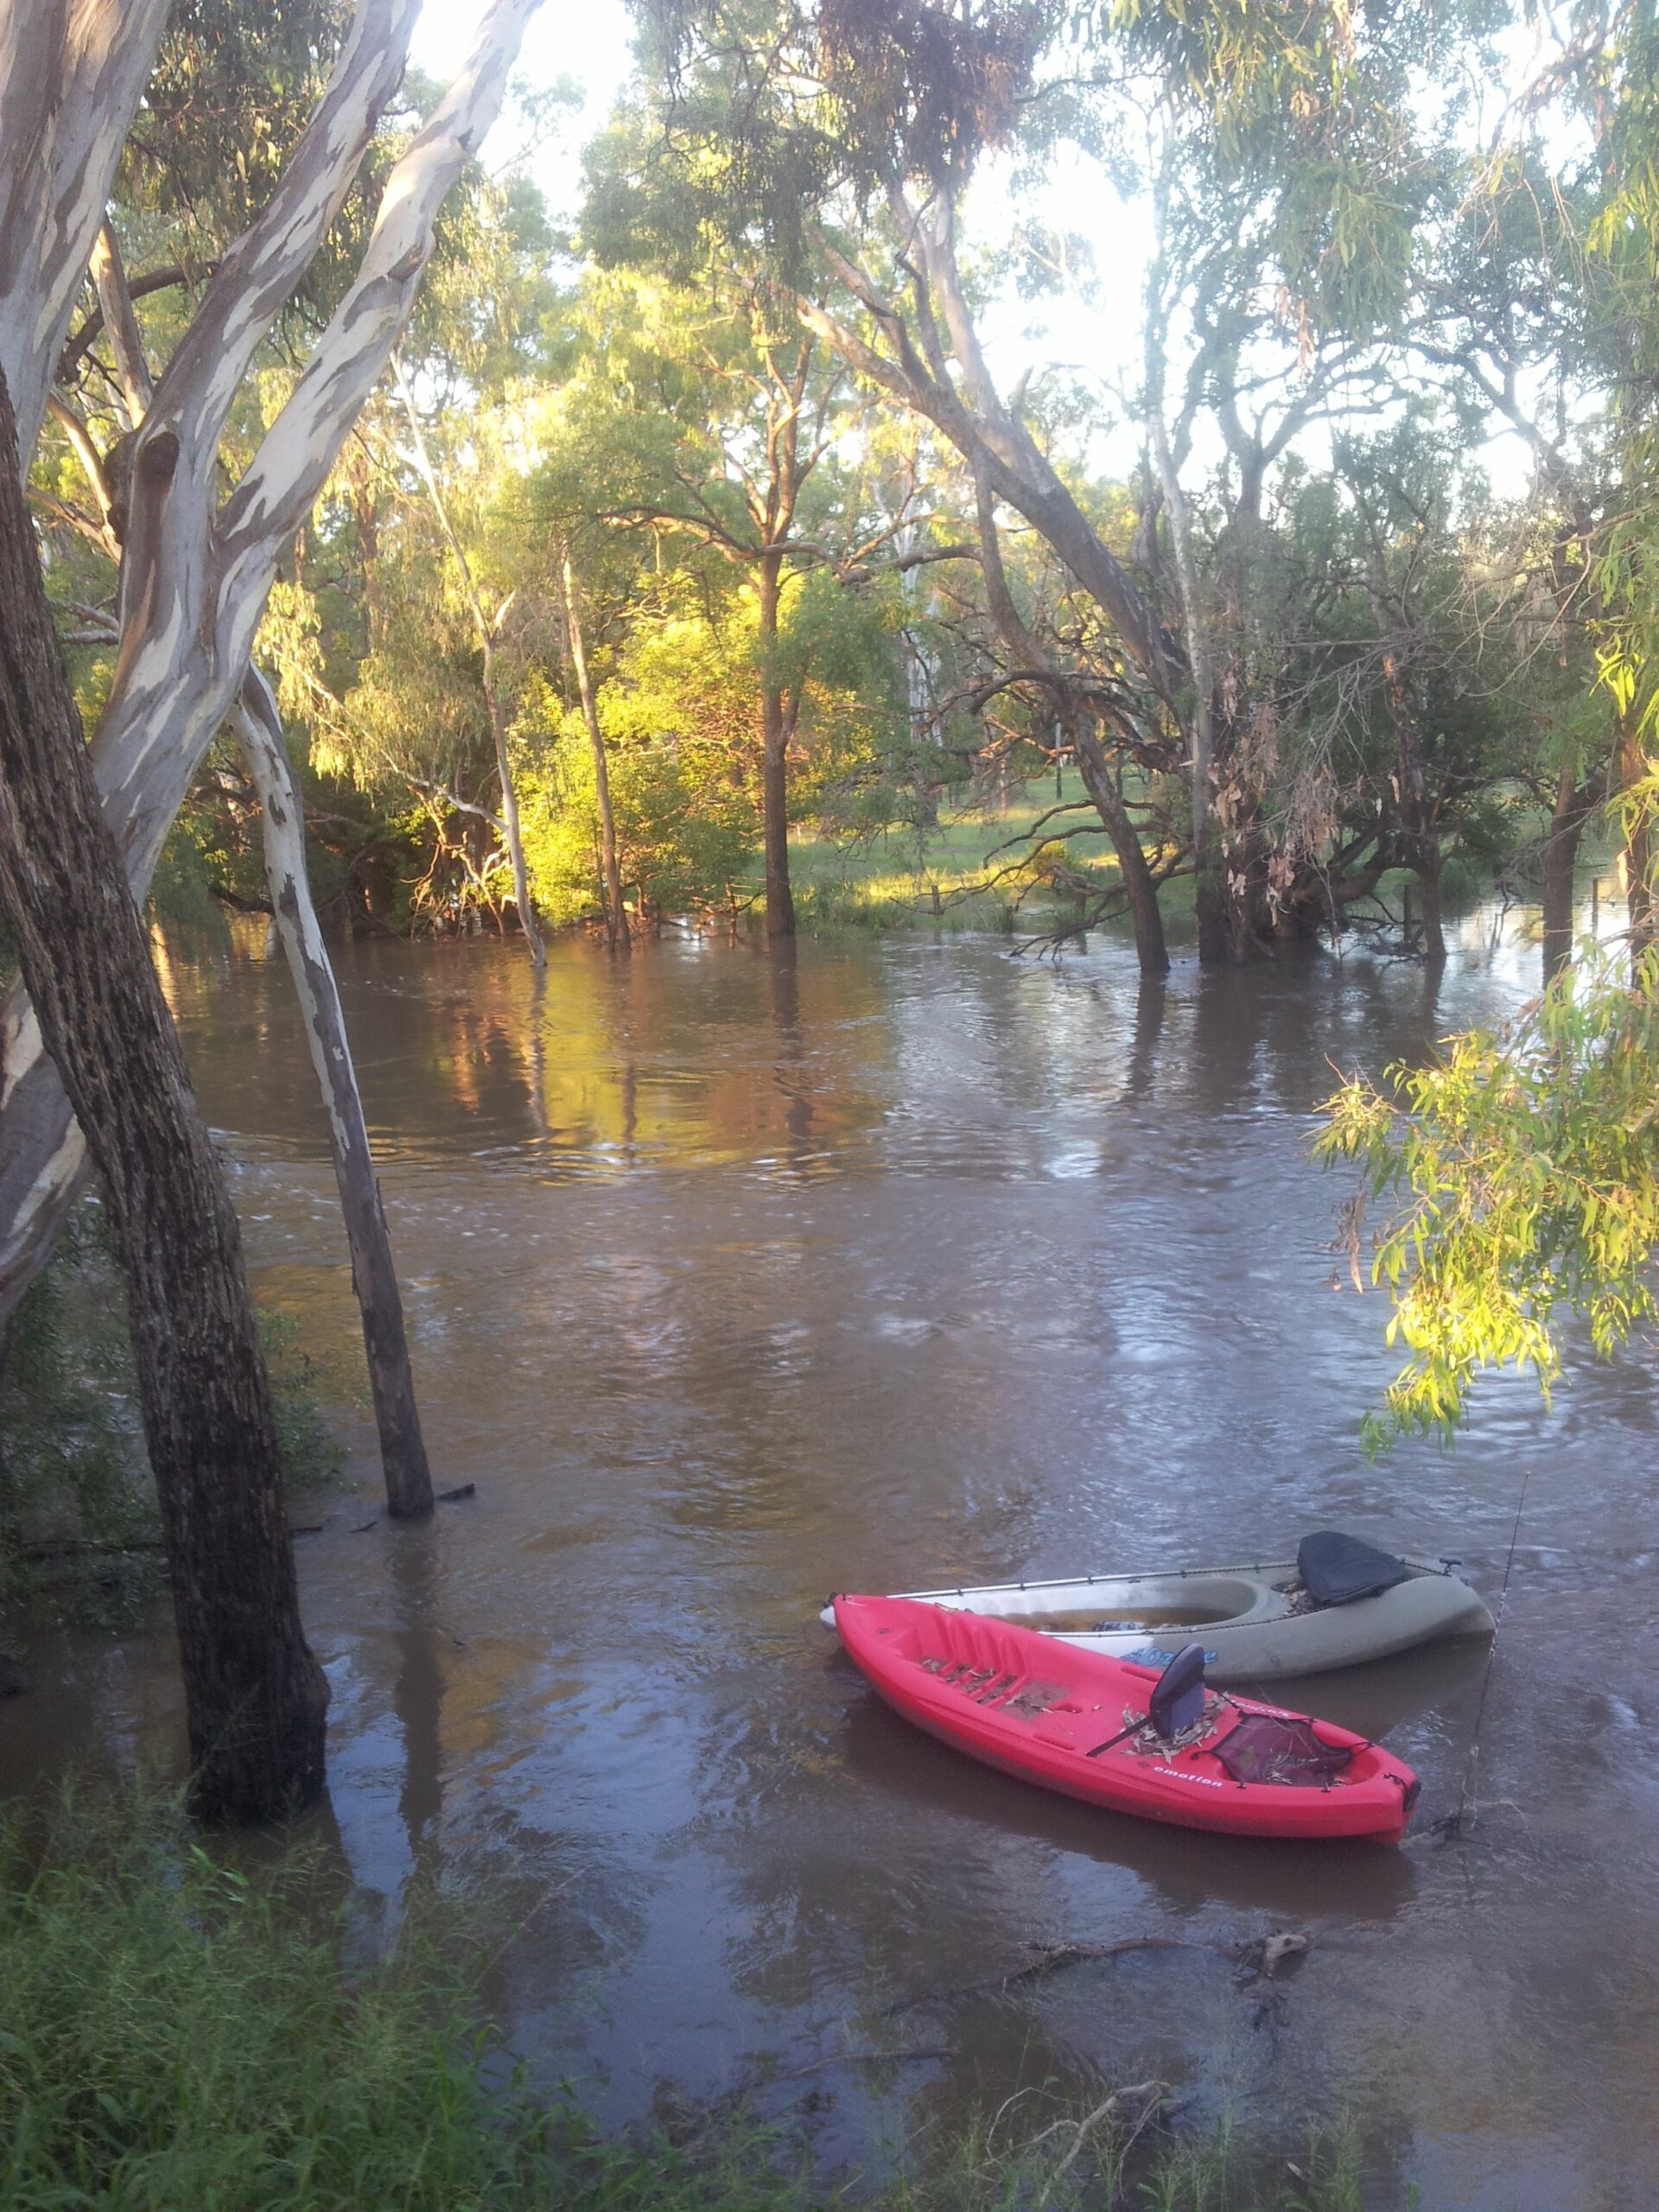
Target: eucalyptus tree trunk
x=1140, y=887
x=199, y=561
x=1216, y=939
x=71, y=74
x=954, y=391
x=403, y=1446
x=259, y=728
x=254, y=1697
x=616, y=914
x=1427, y=872
x=1027, y=652
x=493, y=700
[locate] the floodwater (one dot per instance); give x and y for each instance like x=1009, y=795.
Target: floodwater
x=735, y=1278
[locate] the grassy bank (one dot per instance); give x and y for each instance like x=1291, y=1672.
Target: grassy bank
x=969, y=871
x=173, y=2034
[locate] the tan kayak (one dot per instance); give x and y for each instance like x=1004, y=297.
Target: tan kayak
x=1339, y=1603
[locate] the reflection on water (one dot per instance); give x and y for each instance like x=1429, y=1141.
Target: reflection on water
x=735, y=1277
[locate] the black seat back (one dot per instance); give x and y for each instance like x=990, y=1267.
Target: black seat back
x=1337, y=1569
x=1177, y=1699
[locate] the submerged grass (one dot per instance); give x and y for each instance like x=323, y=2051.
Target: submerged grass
x=964, y=872
x=175, y=2033
x=80, y=1526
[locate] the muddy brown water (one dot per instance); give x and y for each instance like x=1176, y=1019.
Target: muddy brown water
x=736, y=1278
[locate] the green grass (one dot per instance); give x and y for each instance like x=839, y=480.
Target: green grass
x=175, y=2034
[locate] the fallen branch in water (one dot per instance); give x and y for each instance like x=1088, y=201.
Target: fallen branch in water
x=909, y=2058
x=1152, y=2093
x=911, y=2055
x=1260, y=1959
x=114, y=1547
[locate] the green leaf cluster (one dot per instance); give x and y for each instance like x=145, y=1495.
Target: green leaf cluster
x=1522, y=1167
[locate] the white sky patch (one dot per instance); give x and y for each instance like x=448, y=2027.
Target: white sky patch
x=590, y=44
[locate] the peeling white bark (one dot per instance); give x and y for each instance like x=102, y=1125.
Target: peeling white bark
x=72, y=74
x=195, y=579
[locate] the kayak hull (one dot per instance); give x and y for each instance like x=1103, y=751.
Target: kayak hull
x=1060, y=1703
x=1244, y=1617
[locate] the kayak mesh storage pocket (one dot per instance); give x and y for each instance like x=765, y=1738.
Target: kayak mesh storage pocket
x=1279, y=1747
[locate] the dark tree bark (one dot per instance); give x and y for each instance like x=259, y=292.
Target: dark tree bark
x=1428, y=878
x=254, y=1697
x=1139, y=885
x=774, y=758
x=1573, y=802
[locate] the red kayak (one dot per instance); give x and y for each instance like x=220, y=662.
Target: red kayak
x=1161, y=1746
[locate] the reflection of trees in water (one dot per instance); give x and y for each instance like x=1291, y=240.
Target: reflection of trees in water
x=791, y=1064
x=631, y=1064
x=417, y=1691
x=1151, y=997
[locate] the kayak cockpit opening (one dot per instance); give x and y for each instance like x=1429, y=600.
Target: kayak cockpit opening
x=1281, y=1747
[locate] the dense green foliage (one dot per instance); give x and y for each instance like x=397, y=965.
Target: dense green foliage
x=1525, y=1172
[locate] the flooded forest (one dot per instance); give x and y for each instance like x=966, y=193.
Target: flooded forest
x=829, y=1105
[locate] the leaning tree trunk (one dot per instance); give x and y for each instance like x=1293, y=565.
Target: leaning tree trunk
x=254, y=1697
x=1027, y=653
x=616, y=914
x=1139, y=885
x=402, y=1447
x=259, y=726
x=199, y=561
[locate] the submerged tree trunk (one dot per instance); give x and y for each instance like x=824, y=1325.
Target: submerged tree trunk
x=774, y=759
x=402, y=1447
x=616, y=914
x=1428, y=877
x=254, y=1697
x=1027, y=653
x=1567, y=818
x=1139, y=886
x=1216, y=942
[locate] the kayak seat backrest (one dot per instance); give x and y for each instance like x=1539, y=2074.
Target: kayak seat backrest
x=1177, y=1699
x=1336, y=1569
